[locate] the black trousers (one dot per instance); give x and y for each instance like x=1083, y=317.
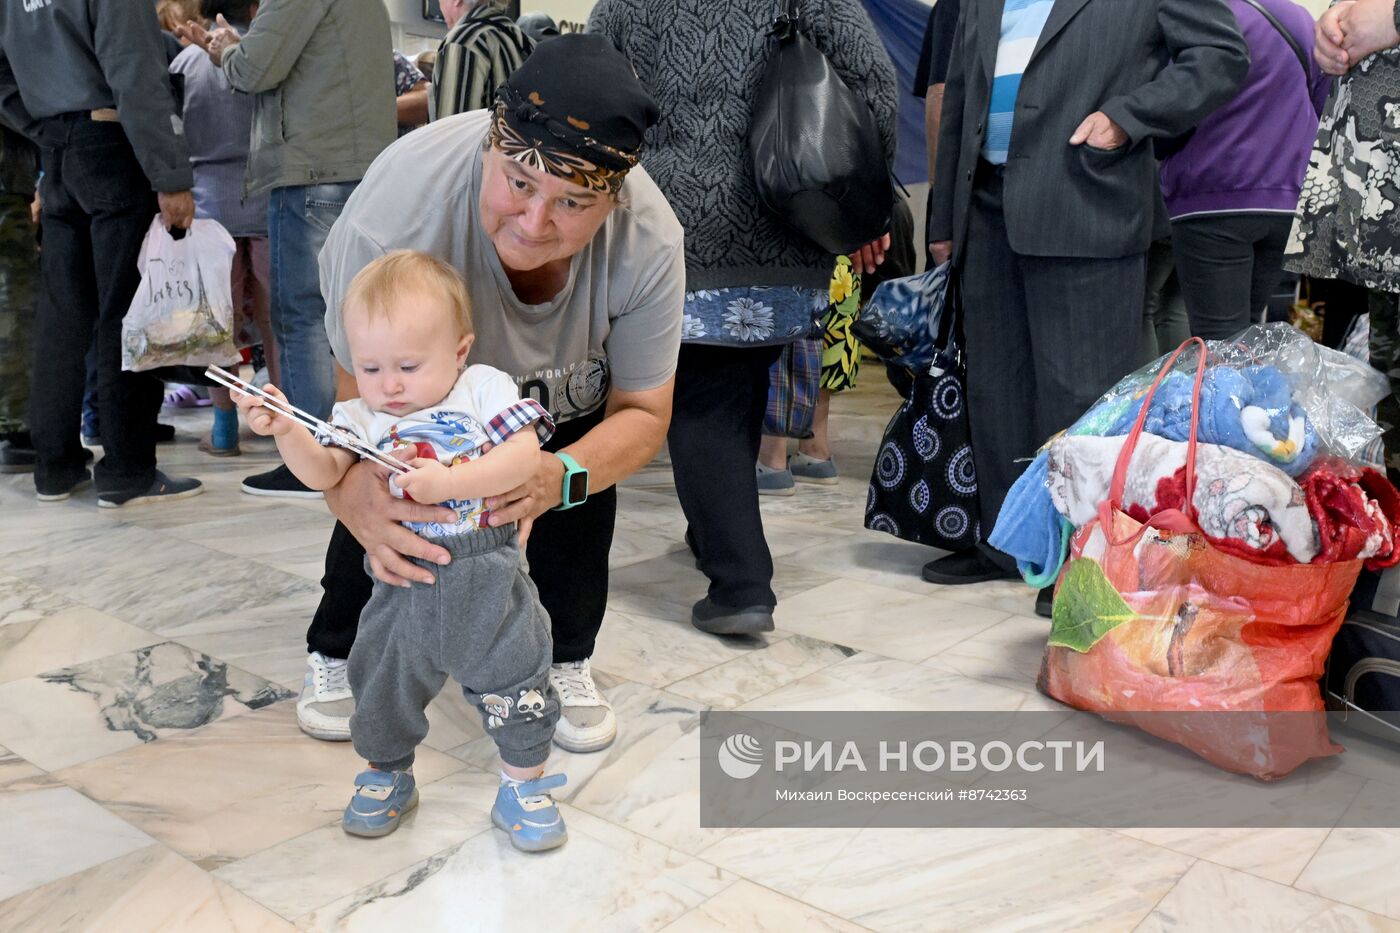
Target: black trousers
x=1228, y=266
x=568, y=555
x=716, y=426
x=97, y=208
x=1046, y=336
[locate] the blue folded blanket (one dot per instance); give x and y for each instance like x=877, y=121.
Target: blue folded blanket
x=1249, y=409
x=1029, y=529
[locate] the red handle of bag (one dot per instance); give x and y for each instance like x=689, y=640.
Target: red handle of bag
x=1125, y=456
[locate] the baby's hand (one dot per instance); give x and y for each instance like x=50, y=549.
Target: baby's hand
x=429, y=482
x=260, y=418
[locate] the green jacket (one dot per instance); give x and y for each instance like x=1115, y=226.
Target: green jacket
x=323, y=73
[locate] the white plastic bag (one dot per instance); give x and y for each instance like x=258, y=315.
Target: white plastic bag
x=182, y=315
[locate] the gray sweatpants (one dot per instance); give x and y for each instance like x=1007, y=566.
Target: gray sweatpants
x=482, y=624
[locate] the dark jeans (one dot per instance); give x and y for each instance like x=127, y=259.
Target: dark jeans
x=1046, y=336
x=568, y=555
x=1228, y=266
x=716, y=425
x=97, y=208
x=1164, y=322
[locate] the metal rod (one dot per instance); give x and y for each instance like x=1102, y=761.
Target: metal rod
x=310, y=422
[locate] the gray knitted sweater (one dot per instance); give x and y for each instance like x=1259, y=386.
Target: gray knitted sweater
x=703, y=60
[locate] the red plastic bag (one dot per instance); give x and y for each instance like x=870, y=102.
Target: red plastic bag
x=1156, y=627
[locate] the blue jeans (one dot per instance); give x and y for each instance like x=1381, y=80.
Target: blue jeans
x=298, y=221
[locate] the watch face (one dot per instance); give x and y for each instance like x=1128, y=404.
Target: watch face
x=578, y=486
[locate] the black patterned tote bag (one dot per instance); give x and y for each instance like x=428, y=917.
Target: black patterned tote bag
x=924, y=486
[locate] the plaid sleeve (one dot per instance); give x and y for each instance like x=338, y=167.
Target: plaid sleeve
x=525, y=412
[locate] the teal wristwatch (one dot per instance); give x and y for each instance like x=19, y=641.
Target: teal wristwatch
x=575, y=491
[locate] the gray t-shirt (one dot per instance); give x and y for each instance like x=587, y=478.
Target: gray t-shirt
x=615, y=324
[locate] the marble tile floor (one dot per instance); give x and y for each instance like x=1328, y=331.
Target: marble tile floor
x=152, y=776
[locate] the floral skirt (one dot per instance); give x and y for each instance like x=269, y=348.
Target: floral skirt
x=751, y=316
x=840, y=349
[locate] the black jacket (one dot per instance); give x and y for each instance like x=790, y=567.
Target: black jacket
x=1155, y=67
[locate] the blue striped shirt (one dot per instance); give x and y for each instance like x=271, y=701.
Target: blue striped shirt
x=1022, y=21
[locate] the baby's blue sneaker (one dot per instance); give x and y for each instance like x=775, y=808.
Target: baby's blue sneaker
x=528, y=815
x=381, y=799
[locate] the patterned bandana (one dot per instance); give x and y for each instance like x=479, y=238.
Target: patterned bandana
x=576, y=110
x=563, y=156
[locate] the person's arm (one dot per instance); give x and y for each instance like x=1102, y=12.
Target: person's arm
x=629, y=436
x=499, y=470
x=1367, y=27
x=129, y=50
x=317, y=466
x=412, y=106
x=933, y=115
x=264, y=56
x=13, y=113
x=1209, y=62
x=950, y=129
x=348, y=249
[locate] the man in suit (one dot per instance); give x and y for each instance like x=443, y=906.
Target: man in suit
x=1044, y=197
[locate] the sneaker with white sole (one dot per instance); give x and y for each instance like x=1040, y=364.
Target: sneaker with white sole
x=586, y=721
x=279, y=483
x=162, y=489
x=527, y=814
x=325, y=704
x=63, y=493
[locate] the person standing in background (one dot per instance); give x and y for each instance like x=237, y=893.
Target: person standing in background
x=19, y=274
x=481, y=49
x=218, y=121
x=754, y=284
x=411, y=90
x=323, y=75
x=1044, y=196
x=112, y=156
x=1348, y=221
x=931, y=74
x=1232, y=189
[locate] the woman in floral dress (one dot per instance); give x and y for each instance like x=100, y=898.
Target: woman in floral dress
x=755, y=284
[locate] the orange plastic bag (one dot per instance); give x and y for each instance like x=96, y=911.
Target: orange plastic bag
x=1157, y=628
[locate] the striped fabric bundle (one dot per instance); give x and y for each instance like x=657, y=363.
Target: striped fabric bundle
x=475, y=58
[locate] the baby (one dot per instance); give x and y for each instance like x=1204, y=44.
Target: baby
x=408, y=322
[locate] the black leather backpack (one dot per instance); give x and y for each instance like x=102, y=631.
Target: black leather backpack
x=817, y=158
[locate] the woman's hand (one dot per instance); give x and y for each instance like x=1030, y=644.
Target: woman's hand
x=531, y=499
x=362, y=502
x=1328, y=39
x=868, y=258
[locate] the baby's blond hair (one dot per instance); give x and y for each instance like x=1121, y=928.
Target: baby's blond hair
x=376, y=288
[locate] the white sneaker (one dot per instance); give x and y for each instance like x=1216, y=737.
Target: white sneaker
x=586, y=721
x=325, y=704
